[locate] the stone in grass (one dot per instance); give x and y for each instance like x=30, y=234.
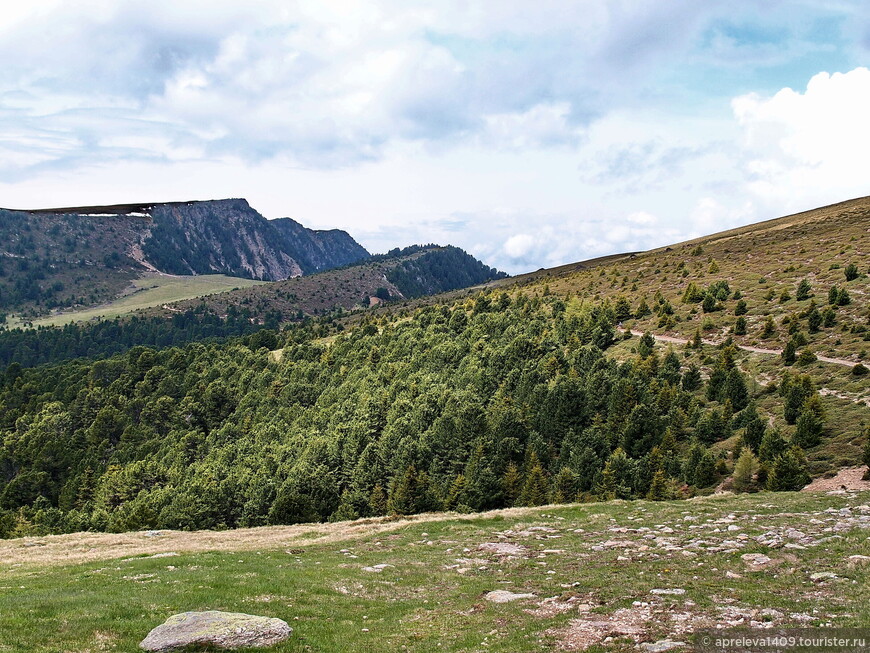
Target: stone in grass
x=503, y=596
x=503, y=548
x=376, y=569
x=675, y=591
x=660, y=646
x=227, y=630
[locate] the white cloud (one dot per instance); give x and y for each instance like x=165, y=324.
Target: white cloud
x=530, y=133
x=519, y=245
x=810, y=146
x=642, y=218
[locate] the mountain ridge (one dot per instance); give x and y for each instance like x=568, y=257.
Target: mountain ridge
x=80, y=256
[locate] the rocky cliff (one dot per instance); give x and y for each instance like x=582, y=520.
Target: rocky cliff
x=229, y=237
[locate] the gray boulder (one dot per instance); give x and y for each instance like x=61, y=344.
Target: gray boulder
x=228, y=630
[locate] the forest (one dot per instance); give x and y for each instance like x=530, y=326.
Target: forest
x=31, y=347
x=490, y=402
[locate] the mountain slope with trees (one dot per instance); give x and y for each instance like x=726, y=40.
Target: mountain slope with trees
x=492, y=400
x=62, y=258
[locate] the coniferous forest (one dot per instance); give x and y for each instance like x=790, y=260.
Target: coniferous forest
x=494, y=401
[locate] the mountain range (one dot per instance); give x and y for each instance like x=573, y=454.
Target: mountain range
x=80, y=256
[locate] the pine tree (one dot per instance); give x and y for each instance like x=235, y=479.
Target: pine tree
x=809, y=430
x=643, y=309
x=659, y=489
x=789, y=471
x=754, y=432
x=456, y=494
x=741, y=308
x=789, y=353
x=403, y=493
x=740, y=326
x=814, y=320
x=803, y=290
x=705, y=474
x=769, y=329
x=735, y=390
x=696, y=342
x=691, y=378
x=744, y=470
x=378, y=500
x=646, y=345
x=535, y=489
x=843, y=298
x=564, y=486
x=693, y=294
x=851, y=272
x=772, y=445
x=512, y=485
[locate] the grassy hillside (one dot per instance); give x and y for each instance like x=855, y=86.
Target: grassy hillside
x=629, y=572
x=58, y=261
x=403, y=274
x=147, y=291
x=763, y=265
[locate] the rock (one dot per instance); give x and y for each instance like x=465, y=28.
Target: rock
x=755, y=559
x=227, y=630
x=660, y=646
x=167, y=554
x=376, y=569
x=732, y=575
x=856, y=560
x=503, y=548
x=503, y=596
x=678, y=591
x=820, y=576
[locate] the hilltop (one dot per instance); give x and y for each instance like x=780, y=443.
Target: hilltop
x=806, y=274
x=83, y=256
x=412, y=272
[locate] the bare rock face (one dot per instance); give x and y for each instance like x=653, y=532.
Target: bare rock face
x=227, y=630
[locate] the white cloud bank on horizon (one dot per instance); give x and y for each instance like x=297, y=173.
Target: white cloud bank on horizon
x=530, y=134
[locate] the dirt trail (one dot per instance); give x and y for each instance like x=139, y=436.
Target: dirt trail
x=75, y=548
x=754, y=350
x=848, y=478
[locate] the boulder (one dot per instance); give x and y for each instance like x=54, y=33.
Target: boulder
x=503, y=548
x=503, y=596
x=227, y=630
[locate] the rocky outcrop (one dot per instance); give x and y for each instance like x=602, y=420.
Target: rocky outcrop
x=319, y=250
x=227, y=630
x=229, y=237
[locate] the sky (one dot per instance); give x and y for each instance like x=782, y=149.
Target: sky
x=532, y=134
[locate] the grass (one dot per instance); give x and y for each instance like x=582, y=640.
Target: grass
x=148, y=291
x=432, y=598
